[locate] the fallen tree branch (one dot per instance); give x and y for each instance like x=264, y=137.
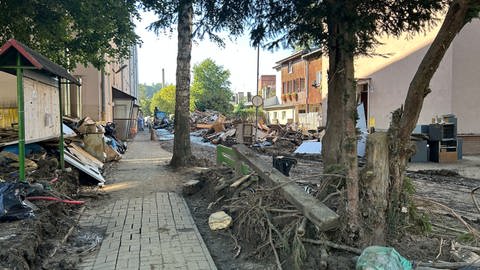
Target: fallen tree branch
x=449, y=228
x=447, y=265
x=69, y=232
x=469, y=228
x=440, y=249
x=277, y=259
x=472, y=193
x=458, y=245
x=302, y=227
x=240, y=180
x=333, y=245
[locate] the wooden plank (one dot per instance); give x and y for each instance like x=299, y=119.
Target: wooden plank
x=87, y=155
x=318, y=213
x=91, y=171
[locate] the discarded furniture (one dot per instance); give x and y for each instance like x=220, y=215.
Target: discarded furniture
x=226, y=156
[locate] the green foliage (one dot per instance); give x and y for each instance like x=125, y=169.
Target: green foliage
x=149, y=90
x=308, y=23
x=211, y=87
x=247, y=113
x=146, y=93
x=164, y=100
x=466, y=238
x=71, y=32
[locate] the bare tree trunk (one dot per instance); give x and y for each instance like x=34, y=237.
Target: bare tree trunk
x=373, y=190
x=404, y=120
x=339, y=146
x=182, y=152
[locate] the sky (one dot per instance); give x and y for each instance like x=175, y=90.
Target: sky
x=237, y=56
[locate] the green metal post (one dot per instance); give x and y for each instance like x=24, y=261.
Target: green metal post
x=60, y=143
x=21, y=120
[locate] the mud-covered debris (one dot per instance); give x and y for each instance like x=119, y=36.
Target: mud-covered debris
x=219, y=221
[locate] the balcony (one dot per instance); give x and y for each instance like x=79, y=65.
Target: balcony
x=294, y=98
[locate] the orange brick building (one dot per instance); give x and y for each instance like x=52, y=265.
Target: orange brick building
x=301, y=75
x=267, y=86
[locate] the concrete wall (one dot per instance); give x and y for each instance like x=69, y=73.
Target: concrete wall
x=283, y=115
x=454, y=86
x=389, y=87
x=91, y=98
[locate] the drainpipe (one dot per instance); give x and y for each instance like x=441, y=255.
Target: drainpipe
x=60, y=143
x=307, y=83
x=21, y=120
x=102, y=93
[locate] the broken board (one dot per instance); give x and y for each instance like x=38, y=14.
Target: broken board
x=88, y=169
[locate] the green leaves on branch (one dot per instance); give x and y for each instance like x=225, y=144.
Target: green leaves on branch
x=71, y=32
x=164, y=100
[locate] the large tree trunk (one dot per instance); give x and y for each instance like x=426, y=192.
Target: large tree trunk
x=182, y=152
x=339, y=146
x=404, y=120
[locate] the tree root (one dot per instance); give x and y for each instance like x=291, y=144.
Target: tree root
x=333, y=245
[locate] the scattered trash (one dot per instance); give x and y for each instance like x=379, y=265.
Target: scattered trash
x=283, y=164
x=382, y=258
x=309, y=147
x=12, y=206
x=219, y=221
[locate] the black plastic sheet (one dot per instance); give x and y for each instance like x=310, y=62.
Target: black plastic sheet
x=12, y=206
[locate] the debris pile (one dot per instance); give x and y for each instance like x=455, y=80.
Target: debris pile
x=215, y=128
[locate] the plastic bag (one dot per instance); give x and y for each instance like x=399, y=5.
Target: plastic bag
x=12, y=206
x=382, y=258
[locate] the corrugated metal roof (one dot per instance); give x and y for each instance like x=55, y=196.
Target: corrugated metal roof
x=31, y=58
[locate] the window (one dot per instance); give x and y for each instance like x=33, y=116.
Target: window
x=290, y=67
x=302, y=84
x=295, y=85
x=289, y=88
x=284, y=114
x=284, y=88
x=275, y=115
x=319, y=78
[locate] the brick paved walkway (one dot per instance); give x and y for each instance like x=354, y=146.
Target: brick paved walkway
x=152, y=231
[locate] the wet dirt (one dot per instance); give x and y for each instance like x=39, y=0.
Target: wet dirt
x=443, y=186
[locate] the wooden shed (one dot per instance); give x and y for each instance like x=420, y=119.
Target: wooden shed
x=30, y=97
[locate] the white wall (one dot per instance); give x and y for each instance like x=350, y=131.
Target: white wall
x=289, y=114
x=466, y=78
x=389, y=87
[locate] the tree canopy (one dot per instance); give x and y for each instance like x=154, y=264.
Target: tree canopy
x=211, y=87
x=164, y=100
x=71, y=32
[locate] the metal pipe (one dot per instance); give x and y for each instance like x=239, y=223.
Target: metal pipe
x=21, y=120
x=61, y=141
x=307, y=84
x=256, y=108
x=102, y=93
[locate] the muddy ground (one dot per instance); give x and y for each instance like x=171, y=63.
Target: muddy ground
x=39, y=242
x=419, y=242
